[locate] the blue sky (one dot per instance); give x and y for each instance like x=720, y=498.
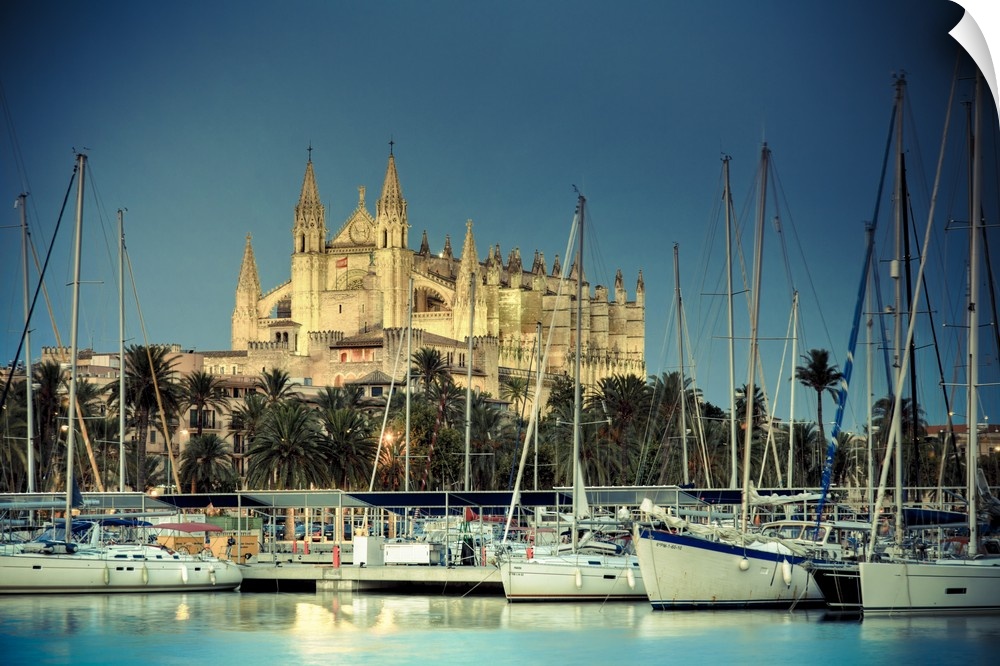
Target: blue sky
x=196, y=118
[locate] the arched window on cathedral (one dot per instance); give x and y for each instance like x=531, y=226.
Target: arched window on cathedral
x=343, y=357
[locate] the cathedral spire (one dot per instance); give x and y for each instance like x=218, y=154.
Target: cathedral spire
x=468, y=272
x=390, y=209
x=249, y=281
x=309, y=232
x=244, y=324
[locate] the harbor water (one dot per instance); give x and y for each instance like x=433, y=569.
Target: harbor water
x=352, y=628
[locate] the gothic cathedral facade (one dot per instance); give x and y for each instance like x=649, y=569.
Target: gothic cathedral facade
x=342, y=317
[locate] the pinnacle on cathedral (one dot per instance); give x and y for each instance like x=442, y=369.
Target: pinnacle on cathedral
x=390, y=209
x=309, y=231
x=249, y=280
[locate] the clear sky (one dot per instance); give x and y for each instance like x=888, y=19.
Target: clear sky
x=197, y=116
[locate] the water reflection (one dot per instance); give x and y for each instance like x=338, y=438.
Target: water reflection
x=331, y=627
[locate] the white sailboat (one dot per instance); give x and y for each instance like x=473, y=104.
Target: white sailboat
x=971, y=582
x=77, y=557
x=689, y=565
x=580, y=573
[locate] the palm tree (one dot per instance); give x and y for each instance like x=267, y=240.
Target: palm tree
x=147, y=369
x=288, y=450
x=247, y=418
x=428, y=364
x=913, y=425
x=450, y=395
x=90, y=412
x=51, y=379
x=352, y=446
x=14, y=428
x=487, y=437
x=207, y=465
x=276, y=386
x=516, y=391
x=623, y=400
x=820, y=376
x=201, y=391
x=339, y=397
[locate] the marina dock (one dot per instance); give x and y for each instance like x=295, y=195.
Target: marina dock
x=293, y=576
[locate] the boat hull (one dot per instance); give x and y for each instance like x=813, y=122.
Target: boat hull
x=581, y=577
x=960, y=586
x=683, y=571
x=30, y=573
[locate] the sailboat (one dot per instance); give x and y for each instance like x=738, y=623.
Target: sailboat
x=78, y=555
x=577, y=573
x=970, y=582
x=691, y=565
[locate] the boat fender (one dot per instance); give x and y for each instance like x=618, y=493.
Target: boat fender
x=744, y=564
x=107, y=575
x=629, y=577
x=786, y=571
x=184, y=573
x=145, y=574
x=579, y=579
x=211, y=574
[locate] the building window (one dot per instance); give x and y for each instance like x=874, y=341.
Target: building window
x=376, y=391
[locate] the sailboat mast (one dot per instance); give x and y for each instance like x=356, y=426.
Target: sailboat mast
x=895, y=274
x=869, y=322
x=81, y=163
x=754, y=314
x=121, y=351
x=972, y=447
x=680, y=361
x=28, y=379
x=791, y=398
x=409, y=365
x=577, y=384
x=728, y=201
x=468, y=381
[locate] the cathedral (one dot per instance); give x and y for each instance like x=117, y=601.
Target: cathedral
x=343, y=316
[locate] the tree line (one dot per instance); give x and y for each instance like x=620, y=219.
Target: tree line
x=630, y=434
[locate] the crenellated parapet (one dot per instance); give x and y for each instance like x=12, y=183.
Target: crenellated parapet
x=268, y=345
x=325, y=338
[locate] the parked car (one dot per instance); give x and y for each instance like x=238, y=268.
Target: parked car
x=277, y=529
x=328, y=530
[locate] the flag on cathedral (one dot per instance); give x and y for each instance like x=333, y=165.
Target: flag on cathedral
x=342, y=263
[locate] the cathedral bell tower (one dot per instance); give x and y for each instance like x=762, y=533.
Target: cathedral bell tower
x=309, y=262
x=393, y=260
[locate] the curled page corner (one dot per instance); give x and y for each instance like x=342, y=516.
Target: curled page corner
x=972, y=39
